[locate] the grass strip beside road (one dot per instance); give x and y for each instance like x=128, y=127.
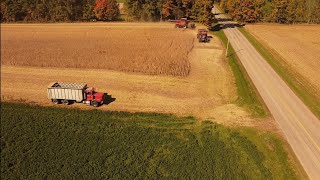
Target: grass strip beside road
x=248, y=94
x=296, y=83
x=62, y=143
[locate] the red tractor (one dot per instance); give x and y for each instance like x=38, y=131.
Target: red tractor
x=203, y=35
x=93, y=98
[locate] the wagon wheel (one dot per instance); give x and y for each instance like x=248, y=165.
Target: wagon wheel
x=66, y=102
x=95, y=104
x=56, y=101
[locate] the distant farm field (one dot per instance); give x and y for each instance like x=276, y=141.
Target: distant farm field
x=299, y=47
x=130, y=47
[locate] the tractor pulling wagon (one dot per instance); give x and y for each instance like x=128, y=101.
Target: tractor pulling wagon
x=203, y=35
x=68, y=93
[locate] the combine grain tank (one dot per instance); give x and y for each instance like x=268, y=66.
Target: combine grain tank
x=67, y=93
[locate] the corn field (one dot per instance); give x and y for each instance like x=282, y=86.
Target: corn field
x=155, y=50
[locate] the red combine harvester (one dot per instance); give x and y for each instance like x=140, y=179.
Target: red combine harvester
x=203, y=35
x=184, y=23
x=68, y=93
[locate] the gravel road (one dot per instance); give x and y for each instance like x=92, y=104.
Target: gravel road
x=300, y=126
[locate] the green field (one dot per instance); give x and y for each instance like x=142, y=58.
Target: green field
x=62, y=143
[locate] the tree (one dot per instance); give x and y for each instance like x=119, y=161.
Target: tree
x=222, y=5
x=279, y=11
x=59, y=11
x=150, y=11
x=296, y=11
x=266, y=11
x=88, y=9
x=168, y=9
x=280, y=14
x=201, y=11
x=247, y=10
x=4, y=12
x=107, y=10
x=312, y=7
x=187, y=6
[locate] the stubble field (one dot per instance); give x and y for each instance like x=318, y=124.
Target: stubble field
x=299, y=47
x=147, y=67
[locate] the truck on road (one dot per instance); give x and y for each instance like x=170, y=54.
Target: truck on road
x=68, y=93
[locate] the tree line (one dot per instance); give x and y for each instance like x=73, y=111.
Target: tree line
x=155, y=10
x=79, y=10
x=276, y=11
x=58, y=10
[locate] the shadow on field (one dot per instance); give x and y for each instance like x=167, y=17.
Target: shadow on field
x=108, y=99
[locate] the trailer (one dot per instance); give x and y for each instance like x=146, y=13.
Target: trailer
x=67, y=93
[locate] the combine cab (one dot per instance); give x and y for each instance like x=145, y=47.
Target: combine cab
x=203, y=35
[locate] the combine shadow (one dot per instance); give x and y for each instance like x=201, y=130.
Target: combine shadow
x=108, y=99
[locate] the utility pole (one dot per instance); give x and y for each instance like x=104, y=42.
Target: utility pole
x=227, y=47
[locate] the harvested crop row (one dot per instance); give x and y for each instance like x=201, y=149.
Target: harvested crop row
x=155, y=50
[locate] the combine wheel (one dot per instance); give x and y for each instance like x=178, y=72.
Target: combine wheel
x=95, y=104
x=66, y=102
x=55, y=101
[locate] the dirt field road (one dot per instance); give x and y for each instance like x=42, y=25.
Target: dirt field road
x=300, y=126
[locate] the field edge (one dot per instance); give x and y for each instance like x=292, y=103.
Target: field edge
x=264, y=149
x=289, y=77
x=247, y=93
x=256, y=101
